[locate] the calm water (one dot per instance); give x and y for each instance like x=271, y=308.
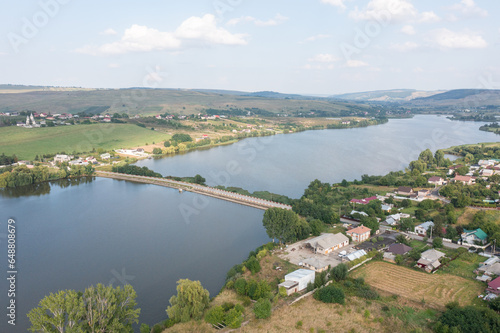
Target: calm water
x=286, y=164
x=109, y=231
x=72, y=235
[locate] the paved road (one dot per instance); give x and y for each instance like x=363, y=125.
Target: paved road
x=201, y=189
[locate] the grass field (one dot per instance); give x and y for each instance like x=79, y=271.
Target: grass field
x=27, y=143
x=436, y=290
x=464, y=265
x=468, y=216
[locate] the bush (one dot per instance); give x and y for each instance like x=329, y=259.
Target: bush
x=240, y=286
x=262, y=308
x=339, y=272
x=282, y=292
x=157, y=328
x=253, y=265
x=437, y=242
x=157, y=151
x=145, y=328
x=330, y=294
x=234, y=318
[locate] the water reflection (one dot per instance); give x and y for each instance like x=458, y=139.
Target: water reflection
x=36, y=190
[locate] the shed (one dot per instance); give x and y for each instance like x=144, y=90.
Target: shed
x=302, y=277
x=356, y=255
x=315, y=264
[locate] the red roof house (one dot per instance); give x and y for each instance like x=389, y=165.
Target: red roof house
x=364, y=201
x=494, y=286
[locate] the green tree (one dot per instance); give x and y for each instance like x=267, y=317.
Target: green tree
x=199, y=180
x=439, y=158
x=110, y=309
x=280, y=224
x=317, y=227
x=253, y=265
x=399, y=259
x=339, y=272
x=330, y=294
x=145, y=328
x=166, y=144
x=190, y=301
x=61, y=312
x=262, y=308
x=426, y=157
x=240, y=285
x=98, y=309
x=215, y=315
x=157, y=151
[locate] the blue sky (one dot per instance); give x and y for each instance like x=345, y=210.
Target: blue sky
x=292, y=46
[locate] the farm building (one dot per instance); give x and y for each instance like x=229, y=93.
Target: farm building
x=404, y=190
x=297, y=280
x=429, y=260
x=315, y=264
x=327, y=243
x=359, y=234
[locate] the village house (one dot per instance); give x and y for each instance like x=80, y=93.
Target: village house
x=404, y=190
x=466, y=180
x=395, y=218
x=394, y=250
x=62, y=158
x=452, y=168
x=297, y=280
x=493, y=269
x=422, y=193
x=474, y=237
x=435, y=180
x=429, y=260
x=487, y=172
x=359, y=234
x=315, y=264
x=326, y=243
x=421, y=229
x=494, y=286
x=364, y=201
x=105, y=156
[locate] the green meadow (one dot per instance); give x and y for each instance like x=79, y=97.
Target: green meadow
x=27, y=143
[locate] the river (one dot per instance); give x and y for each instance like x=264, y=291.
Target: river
x=72, y=234
x=286, y=164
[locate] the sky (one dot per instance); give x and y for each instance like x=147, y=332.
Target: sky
x=318, y=47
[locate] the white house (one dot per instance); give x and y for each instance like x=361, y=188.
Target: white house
x=435, y=180
x=297, y=280
x=421, y=229
x=430, y=259
x=62, y=158
x=106, y=156
x=474, y=236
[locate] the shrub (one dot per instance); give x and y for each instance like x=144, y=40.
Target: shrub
x=240, y=286
x=253, y=265
x=298, y=324
x=339, y=272
x=262, y=308
x=282, y=292
x=254, y=290
x=227, y=306
x=157, y=328
x=234, y=318
x=145, y=328
x=330, y=294
x=157, y=151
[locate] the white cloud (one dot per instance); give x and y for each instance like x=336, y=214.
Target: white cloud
x=113, y=65
x=405, y=47
x=317, y=37
x=336, y=3
x=468, y=8
x=321, y=61
x=323, y=58
x=388, y=10
x=356, y=63
x=394, y=11
x=108, y=32
x=194, y=31
x=418, y=70
x=429, y=17
x=277, y=20
x=408, y=29
x=454, y=40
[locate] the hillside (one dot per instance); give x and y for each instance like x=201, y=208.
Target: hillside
x=462, y=99
x=395, y=95
x=157, y=101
